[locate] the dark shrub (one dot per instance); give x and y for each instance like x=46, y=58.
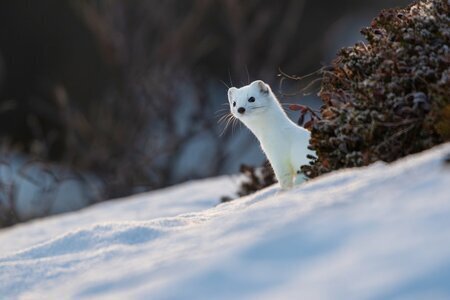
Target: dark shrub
x=254, y=179
x=389, y=97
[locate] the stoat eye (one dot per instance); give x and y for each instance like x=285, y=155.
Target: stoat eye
x=234, y=103
x=251, y=99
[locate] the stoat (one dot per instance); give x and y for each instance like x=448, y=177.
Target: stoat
x=284, y=143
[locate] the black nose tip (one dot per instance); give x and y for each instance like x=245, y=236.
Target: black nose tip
x=241, y=110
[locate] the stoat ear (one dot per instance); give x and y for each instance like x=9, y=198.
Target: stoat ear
x=230, y=93
x=263, y=88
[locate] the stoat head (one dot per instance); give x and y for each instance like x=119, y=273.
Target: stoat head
x=251, y=100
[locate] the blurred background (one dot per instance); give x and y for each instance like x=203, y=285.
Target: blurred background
x=103, y=99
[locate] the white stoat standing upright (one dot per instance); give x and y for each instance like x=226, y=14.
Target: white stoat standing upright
x=284, y=143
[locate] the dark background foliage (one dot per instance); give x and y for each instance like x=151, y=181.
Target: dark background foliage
x=128, y=91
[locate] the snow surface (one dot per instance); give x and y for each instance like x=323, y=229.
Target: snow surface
x=381, y=232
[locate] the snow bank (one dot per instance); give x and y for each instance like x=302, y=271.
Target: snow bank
x=376, y=232
x=43, y=189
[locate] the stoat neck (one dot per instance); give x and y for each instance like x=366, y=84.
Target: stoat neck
x=270, y=123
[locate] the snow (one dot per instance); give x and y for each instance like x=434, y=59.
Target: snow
x=380, y=232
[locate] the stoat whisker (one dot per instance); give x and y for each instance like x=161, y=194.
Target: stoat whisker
x=224, y=117
x=229, y=118
x=233, y=125
x=224, y=83
x=229, y=75
x=221, y=110
x=248, y=74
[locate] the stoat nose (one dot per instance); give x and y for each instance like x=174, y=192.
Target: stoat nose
x=241, y=110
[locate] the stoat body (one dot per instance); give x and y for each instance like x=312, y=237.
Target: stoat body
x=284, y=143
